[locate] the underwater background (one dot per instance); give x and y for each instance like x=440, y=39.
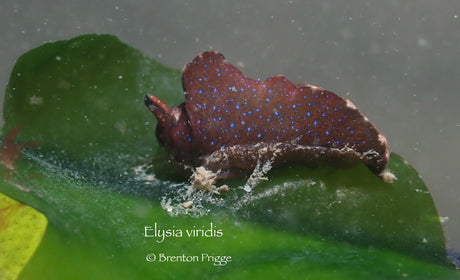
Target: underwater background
x=396, y=61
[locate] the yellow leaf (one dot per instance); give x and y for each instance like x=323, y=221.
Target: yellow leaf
x=21, y=230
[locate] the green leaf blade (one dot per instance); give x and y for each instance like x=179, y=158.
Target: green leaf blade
x=82, y=100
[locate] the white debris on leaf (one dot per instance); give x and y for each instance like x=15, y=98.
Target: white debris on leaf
x=388, y=177
x=223, y=188
x=184, y=199
x=166, y=205
x=257, y=175
x=191, y=198
x=141, y=172
x=203, y=179
x=35, y=100
x=187, y=204
x=272, y=191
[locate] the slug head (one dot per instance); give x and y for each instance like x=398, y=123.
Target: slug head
x=173, y=128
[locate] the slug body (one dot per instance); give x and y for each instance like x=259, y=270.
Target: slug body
x=230, y=123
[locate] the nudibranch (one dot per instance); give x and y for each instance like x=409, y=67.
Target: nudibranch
x=229, y=123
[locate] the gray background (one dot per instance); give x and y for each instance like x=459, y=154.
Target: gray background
x=398, y=61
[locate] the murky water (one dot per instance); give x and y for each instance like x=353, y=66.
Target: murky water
x=398, y=62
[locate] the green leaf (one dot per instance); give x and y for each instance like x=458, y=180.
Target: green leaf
x=100, y=178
